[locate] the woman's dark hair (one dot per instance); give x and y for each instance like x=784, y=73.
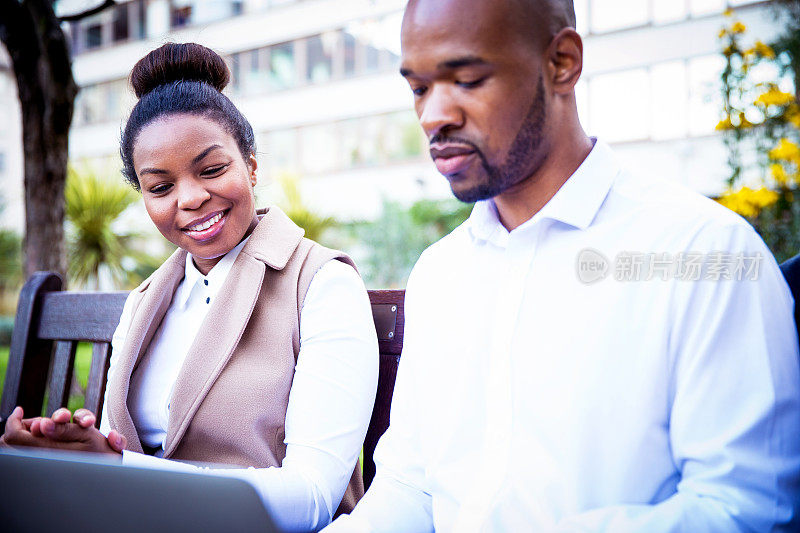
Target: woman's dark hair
x=181, y=78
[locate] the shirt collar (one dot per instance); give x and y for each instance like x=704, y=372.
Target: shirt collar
x=215, y=277
x=576, y=203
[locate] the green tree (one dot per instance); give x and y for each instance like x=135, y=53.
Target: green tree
x=93, y=204
x=295, y=208
x=40, y=59
x=394, y=241
x=10, y=258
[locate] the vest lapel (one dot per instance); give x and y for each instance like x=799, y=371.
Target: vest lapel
x=271, y=244
x=218, y=336
x=146, y=318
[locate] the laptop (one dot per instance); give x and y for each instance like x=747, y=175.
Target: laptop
x=62, y=491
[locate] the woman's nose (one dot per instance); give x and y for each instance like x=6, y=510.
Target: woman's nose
x=192, y=195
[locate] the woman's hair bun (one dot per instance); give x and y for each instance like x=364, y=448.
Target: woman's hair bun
x=179, y=62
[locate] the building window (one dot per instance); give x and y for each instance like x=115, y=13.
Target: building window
x=282, y=66
x=120, y=25
x=140, y=19
x=234, y=62
x=319, y=148
x=669, y=100
x=669, y=11
x=319, y=61
x=2, y=162
x=180, y=13
x=343, y=145
x=618, y=105
x=103, y=102
x=93, y=36
x=281, y=152
x=609, y=15
x=706, y=7
x=125, y=21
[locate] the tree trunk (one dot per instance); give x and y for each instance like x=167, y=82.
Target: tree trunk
x=43, y=70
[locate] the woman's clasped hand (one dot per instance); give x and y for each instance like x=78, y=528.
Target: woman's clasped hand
x=62, y=431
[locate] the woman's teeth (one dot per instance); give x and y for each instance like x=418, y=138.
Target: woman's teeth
x=207, y=224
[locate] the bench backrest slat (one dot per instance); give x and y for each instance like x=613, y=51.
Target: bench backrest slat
x=49, y=323
x=82, y=316
x=60, y=375
x=96, y=382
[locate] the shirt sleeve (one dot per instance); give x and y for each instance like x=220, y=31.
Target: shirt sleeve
x=330, y=405
x=117, y=341
x=398, y=499
x=735, y=410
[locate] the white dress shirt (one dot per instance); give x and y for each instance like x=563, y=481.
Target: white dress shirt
x=530, y=400
x=330, y=402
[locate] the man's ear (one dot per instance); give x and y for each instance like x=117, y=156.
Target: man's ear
x=565, y=55
x=253, y=164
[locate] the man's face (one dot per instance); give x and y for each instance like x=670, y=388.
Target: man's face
x=479, y=93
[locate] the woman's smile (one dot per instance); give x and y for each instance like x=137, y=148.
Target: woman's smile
x=207, y=227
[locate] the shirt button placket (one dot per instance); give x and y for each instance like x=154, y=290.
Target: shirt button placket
x=516, y=258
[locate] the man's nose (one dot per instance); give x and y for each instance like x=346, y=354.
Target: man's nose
x=440, y=111
x=192, y=194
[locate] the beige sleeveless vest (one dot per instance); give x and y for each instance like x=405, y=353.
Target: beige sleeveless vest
x=229, y=401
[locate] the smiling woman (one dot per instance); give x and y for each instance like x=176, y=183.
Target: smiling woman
x=251, y=346
x=197, y=188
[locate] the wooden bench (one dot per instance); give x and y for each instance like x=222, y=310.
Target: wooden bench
x=50, y=322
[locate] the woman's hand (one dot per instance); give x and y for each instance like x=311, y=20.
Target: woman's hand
x=60, y=433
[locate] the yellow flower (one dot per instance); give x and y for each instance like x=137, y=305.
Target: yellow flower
x=763, y=50
x=748, y=202
x=743, y=122
x=722, y=33
x=728, y=12
x=779, y=173
x=724, y=124
x=785, y=151
x=738, y=27
x=776, y=97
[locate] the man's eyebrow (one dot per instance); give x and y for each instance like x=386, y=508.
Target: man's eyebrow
x=466, y=61
x=205, y=153
x=450, y=64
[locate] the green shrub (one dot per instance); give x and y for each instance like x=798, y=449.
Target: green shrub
x=6, y=327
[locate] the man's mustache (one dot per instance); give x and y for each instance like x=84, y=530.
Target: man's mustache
x=440, y=138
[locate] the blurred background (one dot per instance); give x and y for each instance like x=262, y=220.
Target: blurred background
x=673, y=85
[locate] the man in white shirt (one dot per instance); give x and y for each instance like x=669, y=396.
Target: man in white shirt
x=590, y=351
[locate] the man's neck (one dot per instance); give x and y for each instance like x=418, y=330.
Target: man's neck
x=518, y=204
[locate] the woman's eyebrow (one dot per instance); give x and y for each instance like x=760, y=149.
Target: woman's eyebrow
x=205, y=153
x=152, y=171
x=196, y=160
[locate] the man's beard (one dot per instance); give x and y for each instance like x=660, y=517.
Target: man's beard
x=524, y=157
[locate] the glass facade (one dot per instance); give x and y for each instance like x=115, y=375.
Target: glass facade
x=343, y=145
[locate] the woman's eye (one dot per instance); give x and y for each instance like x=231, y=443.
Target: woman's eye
x=160, y=189
x=419, y=91
x=214, y=171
